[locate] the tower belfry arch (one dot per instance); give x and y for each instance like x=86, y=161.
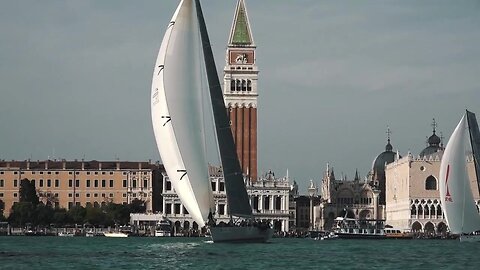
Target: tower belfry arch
x=240, y=89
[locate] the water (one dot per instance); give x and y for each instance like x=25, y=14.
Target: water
x=197, y=253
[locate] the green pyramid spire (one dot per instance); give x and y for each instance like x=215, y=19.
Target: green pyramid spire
x=241, y=29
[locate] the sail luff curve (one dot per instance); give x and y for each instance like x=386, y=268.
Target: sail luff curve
x=455, y=191
x=176, y=108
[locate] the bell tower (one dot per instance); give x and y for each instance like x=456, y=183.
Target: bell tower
x=240, y=90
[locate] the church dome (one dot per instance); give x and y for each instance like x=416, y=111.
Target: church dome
x=434, y=143
x=386, y=157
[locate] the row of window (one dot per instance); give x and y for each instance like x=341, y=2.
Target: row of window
x=178, y=206
x=88, y=183
x=240, y=85
x=266, y=204
x=77, y=172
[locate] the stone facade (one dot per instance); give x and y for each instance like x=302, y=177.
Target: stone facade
x=65, y=183
x=413, y=198
x=352, y=198
x=269, y=198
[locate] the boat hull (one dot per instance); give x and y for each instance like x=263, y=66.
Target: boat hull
x=162, y=233
x=116, y=235
x=360, y=236
x=240, y=234
x=470, y=238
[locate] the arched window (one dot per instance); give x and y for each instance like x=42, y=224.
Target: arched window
x=413, y=211
x=238, y=85
x=249, y=85
x=431, y=183
x=232, y=85
x=420, y=210
x=244, y=85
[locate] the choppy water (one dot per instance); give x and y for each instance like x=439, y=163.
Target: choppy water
x=197, y=253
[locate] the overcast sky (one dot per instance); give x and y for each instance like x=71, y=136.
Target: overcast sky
x=75, y=77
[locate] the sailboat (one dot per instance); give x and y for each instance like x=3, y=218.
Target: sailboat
x=176, y=106
x=456, y=193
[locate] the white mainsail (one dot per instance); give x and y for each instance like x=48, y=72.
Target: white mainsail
x=455, y=190
x=177, y=110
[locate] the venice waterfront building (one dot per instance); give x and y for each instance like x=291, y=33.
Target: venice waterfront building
x=346, y=198
x=412, y=191
x=354, y=198
x=269, y=198
x=65, y=184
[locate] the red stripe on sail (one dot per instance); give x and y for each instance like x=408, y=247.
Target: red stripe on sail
x=448, y=197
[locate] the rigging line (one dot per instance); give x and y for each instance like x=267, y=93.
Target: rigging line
x=202, y=89
x=464, y=185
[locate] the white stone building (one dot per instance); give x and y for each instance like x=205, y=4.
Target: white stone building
x=269, y=198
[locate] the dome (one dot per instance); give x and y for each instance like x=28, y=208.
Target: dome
x=434, y=140
x=434, y=143
x=430, y=150
x=386, y=157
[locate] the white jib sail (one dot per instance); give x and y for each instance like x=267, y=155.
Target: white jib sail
x=455, y=191
x=177, y=111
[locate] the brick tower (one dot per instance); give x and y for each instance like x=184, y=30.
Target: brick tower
x=240, y=90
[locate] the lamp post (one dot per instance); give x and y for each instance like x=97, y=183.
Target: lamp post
x=311, y=192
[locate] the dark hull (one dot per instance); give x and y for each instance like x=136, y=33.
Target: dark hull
x=360, y=236
x=240, y=234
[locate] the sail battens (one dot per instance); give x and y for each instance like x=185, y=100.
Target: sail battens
x=177, y=95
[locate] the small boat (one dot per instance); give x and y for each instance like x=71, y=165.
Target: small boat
x=66, y=234
x=350, y=228
x=115, y=234
x=327, y=236
x=456, y=193
x=393, y=233
x=163, y=228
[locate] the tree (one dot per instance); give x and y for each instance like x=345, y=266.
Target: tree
x=43, y=214
x=28, y=193
x=22, y=213
x=95, y=216
x=2, y=208
x=137, y=206
x=60, y=216
x=77, y=214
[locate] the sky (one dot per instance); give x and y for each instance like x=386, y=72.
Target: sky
x=75, y=77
